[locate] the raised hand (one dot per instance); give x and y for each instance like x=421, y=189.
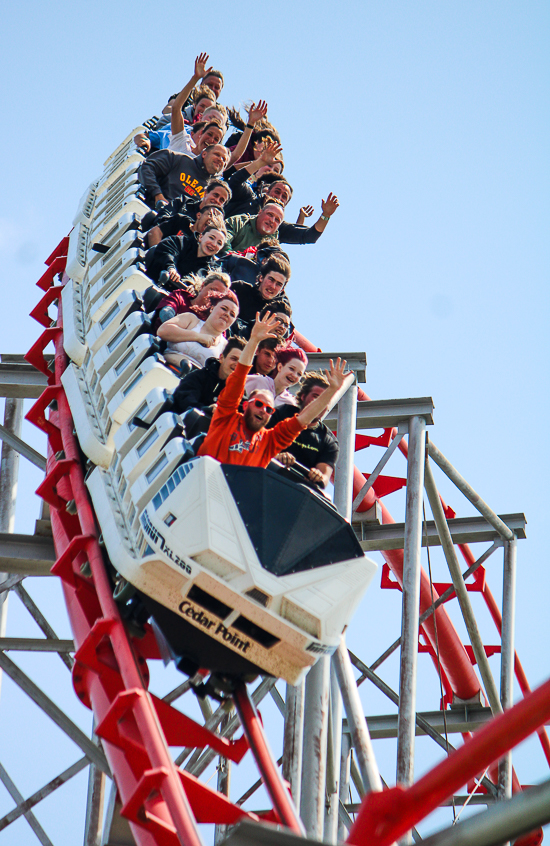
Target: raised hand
x=264, y=327
x=336, y=374
x=257, y=112
x=307, y=211
x=271, y=152
x=200, y=65
x=329, y=206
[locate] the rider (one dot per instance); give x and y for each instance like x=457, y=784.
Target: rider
x=241, y=438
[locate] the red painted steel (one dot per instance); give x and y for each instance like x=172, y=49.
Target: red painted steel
x=385, y=817
x=492, y=606
x=275, y=786
x=110, y=674
x=453, y=656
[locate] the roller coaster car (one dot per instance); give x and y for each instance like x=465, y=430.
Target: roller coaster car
x=242, y=570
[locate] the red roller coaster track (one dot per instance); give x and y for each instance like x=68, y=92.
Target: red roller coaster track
x=163, y=803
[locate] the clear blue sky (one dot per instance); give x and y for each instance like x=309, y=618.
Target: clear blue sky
x=430, y=121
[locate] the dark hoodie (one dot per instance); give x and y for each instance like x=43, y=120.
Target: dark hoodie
x=250, y=302
x=245, y=268
x=199, y=388
x=180, y=253
x=173, y=174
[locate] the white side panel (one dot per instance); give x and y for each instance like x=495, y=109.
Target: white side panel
x=77, y=254
x=149, y=446
x=103, y=274
x=85, y=208
x=112, y=351
x=124, y=145
x=157, y=474
x=73, y=328
x=101, y=332
x=150, y=375
x=125, y=169
x=103, y=224
x=91, y=436
x=126, y=366
x=128, y=435
x=130, y=279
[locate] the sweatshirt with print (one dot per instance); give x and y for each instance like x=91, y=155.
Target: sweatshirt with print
x=231, y=442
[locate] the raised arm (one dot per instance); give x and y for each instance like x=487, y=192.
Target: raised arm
x=293, y=233
x=177, y=122
x=328, y=207
x=255, y=113
x=240, y=188
x=305, y=211
x=335, y=377
x=268, y=157
x=262, y=329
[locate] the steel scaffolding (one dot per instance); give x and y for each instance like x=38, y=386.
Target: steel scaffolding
x=327, y=740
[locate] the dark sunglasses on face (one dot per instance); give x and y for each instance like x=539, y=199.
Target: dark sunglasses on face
x=262, y=405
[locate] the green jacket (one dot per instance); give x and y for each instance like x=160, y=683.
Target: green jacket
x=241, y=233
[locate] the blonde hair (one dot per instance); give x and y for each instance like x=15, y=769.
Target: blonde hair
x=197, y=283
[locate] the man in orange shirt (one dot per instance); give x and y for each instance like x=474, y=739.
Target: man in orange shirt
x=235, y=438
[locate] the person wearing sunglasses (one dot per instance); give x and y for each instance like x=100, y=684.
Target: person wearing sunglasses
x=236, y=437
x=281, y=310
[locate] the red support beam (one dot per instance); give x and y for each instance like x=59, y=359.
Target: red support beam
x=386, y=817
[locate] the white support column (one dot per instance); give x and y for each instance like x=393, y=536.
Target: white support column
x=507, y=654
x=411, y=600
x=224, y=778
x=312, y=802
x=343, y=472
x=9, y=469
x=294, y=739
x=345, y=762
x=333, y=760
x=93, y=831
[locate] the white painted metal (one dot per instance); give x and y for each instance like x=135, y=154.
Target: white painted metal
x=77, y=252
x=128, y=279
x=74, y=342
x=411, y=599
x=312, y=805
x=102, y=332
x=86, y=205
x=176, y=547
x=507, y=655
x=9, y=470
